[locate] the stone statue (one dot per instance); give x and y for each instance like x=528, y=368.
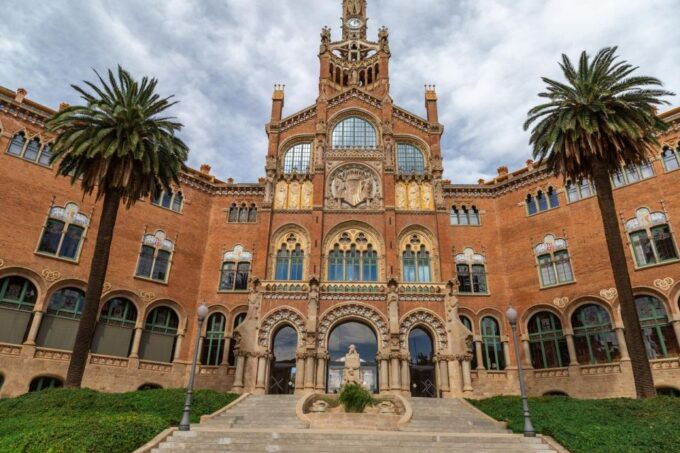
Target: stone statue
x=393, y=305
x=461, y=337
x=269, y=187
x=352, y=371
x=246, y=332
x=312, y=304
x=325, y=39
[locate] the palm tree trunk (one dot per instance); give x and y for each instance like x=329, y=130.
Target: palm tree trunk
x=100, y=262
x=642, y=373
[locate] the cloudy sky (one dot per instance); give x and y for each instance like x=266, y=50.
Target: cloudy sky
x=221, y=58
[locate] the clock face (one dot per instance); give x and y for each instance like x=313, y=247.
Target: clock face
x=354, y=23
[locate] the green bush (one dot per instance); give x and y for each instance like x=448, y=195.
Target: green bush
x=355, y=398
x=594, y=426
x=81, y=420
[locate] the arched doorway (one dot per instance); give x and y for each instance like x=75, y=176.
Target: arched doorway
x=366, y=342
x=421, y=350
x=282, y=374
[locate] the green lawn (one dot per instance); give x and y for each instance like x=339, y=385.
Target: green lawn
x=70, y=420
x=594, y=426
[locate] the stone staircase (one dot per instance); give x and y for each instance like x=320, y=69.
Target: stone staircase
x=269, y=424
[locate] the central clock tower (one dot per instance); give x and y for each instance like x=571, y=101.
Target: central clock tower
x=354, y=20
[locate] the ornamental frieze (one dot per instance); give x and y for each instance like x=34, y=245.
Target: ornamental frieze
x=664, y=284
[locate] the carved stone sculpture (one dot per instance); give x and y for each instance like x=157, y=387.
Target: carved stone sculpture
x=246, y=332
x=352, y=371
x=461, y=337
x=353, y=186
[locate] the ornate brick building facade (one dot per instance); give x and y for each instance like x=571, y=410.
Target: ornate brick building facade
x=352, y=237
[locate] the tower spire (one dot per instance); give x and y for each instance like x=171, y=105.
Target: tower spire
x=354, y=19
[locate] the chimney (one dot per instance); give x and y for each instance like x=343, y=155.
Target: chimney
x=230, y=181
x=277, y=103
x=21, y=94
x=205, y=169
x=431, y=104
x=502, y=171
x=63, y=106
x=530, y=165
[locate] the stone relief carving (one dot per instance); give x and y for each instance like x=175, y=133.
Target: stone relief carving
x=106, y=288
x=294, y=195
x=2, y=263
x=414, y=196
x=147, y=296
x=609, y=294
x=664, y=284
x=353, y=186
x=50, y=275
x=560, y=302
x=245, y=333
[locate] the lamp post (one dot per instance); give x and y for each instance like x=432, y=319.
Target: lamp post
x=511, y=314
x=184, y=425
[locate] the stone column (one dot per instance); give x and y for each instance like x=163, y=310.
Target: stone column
x=506, y=355
x=136, y=340
x=321, y=374
x=261, y=369
x=405, y=376
x=437, y=379
x=571, y=347
x=240, y=371
x=622, y=344
x=267, y=371
x=178, y=347
x=300, y=373
x=480, y=356
x=444, y=376
x=395, y=385
x=384, y=377
x=467, y=376
x=526, y=360
x=676, y=328
x=455, y=378
x=309, y=372
x=35, y=325
x=225, y=353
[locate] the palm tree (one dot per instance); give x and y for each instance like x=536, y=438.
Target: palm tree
x=602, y=119
x=118, y=146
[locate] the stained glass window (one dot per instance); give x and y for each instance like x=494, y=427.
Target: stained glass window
x=162, y=320
x=657, y=331
x=354, y=132
x=17, y=293
x=594, y=339
x=63, y=232
x=212, y=352
x=492, y=348
x=119, y=312
x=67, y=303
x=547, y=343
x=297, y=158
x=410, y=159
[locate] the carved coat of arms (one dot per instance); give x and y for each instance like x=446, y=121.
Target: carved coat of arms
x=354, y=186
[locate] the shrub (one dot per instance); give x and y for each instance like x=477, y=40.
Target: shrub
x=355, y=398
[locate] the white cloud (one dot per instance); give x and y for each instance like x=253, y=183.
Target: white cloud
x=221, y=57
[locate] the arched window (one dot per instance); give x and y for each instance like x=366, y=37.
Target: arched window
x=235, y=270
x=365, y=341
x=31, y=150
x=542, y=201
x=242, y=213
x=583, y=189
x=410, y=159
x=212, y=352
x=632, y=173
x=554, y=263
x=531, y=205
x=169, y=199
x=63, y=232
x=547, y=342
x=231, y=357
x=471, y=269
x=297, y=158
x=670, y=157
x=464, y=215
x=492, y=348
x=115, y=329
x=289, y=260
x=59, y=326
x=594, y=338
x=159, y=335
x=651, y=238
x=416, y=262
x=45, y=383
x=17, y=300
x=155, y=257
x=657, y=331
x=353, y=259
x=471, y=349
x=354, y=132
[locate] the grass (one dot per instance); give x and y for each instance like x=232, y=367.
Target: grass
x=596, y=426
x=81, y=420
